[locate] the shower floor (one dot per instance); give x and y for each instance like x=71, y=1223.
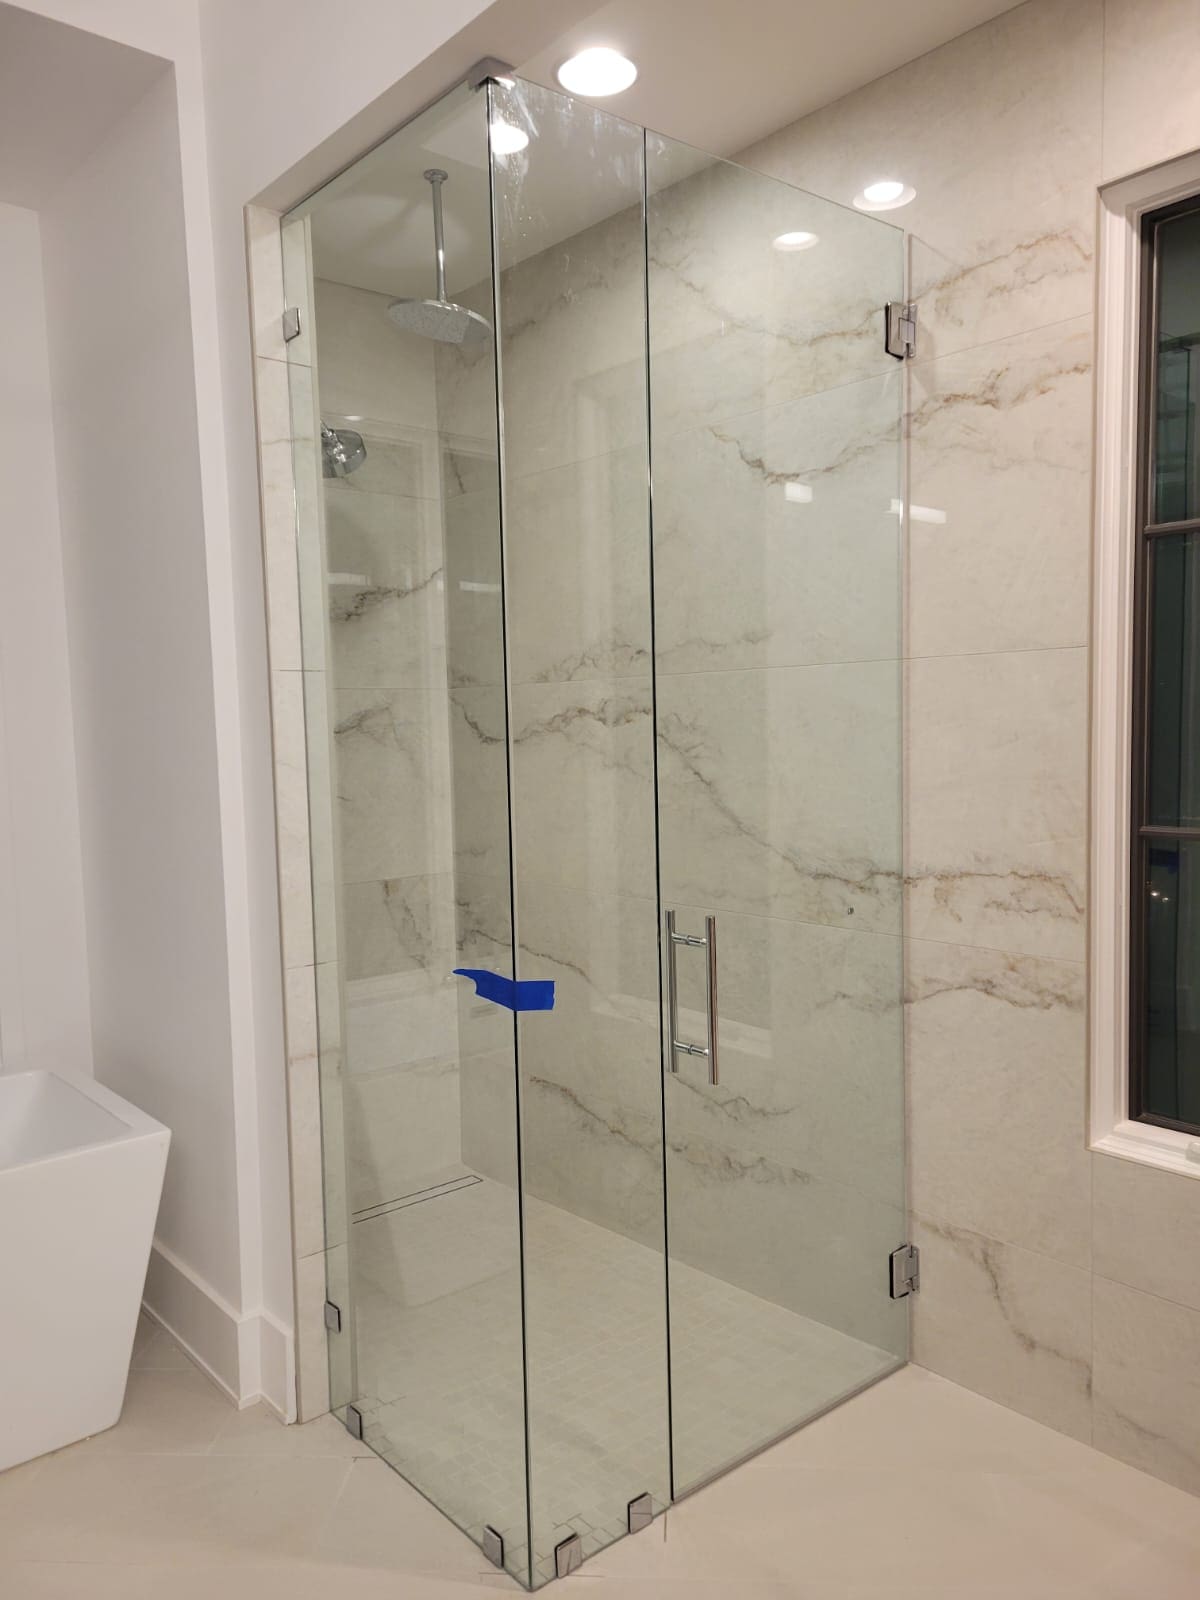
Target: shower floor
x=438, y=1346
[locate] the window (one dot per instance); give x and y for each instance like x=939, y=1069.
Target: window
x=1164, y=888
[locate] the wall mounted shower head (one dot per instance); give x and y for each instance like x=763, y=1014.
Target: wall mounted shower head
x=439, y=318
x=342, y=451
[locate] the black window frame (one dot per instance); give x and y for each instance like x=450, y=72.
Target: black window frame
x=1143, y=834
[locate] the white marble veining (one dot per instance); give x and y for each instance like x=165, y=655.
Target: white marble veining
x=737, y=326
x=577, y=540
x=385, y=582
x=572, y=329
x=781, y=787
x=399, y=925
x=582, y=773
x=1007, y=1323
x=996, y=1126
x=473, y=592
x=811, y=1061
x=998, y=131
x=776, y=538
x=999, y=442
x=996, y=801
x=1147, y=1382
x=392, y=782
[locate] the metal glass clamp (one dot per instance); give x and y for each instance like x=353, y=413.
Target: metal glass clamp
x=694, y=941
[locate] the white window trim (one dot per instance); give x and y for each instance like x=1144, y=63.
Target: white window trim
x=1122, y=206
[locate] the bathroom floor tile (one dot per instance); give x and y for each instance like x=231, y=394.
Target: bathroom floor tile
x=257, y=1432
x=176, y=1412
x=154, y=1350
x=914, y=1490
x=190, y=1510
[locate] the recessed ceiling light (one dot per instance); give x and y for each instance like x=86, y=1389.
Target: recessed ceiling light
x=885, y=195
x=597, y=72
x=507, y=139
x=800, y=240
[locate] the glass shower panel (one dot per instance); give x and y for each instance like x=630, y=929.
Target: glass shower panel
x=570, y=255
x=775, y=420
x=404, y=683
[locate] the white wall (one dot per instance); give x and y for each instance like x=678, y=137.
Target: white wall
x=134, y=560
x=275, y=81
x=44, y=1005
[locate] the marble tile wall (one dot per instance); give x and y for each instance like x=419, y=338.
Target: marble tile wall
x=776, y=428
x=289, y=497
x=390, y=742
x=769, y=642
x=1059, y=1282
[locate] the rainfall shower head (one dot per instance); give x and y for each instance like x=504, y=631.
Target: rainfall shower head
x=342, y=451
x=439, y=318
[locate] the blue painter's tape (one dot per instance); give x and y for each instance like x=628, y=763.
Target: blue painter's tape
x=529, y=994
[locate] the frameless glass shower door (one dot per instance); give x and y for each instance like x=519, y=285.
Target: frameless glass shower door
x=406, y=699
x=775, y=427
x=598, y=457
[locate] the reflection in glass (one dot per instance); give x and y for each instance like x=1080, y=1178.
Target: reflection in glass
x=530, y=713
x=1177, y=418
x=1174, y=755
x=1171, y=1086
x=775, y=420
x=399, y=546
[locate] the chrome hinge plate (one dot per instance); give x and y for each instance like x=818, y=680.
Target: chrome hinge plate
x=291, y=323
x=333, y=1317
x=900, y=329
x=354, y=1422
x=640, y=1513
x=493, y=1545
x=904, y=1271
x=568, y=1556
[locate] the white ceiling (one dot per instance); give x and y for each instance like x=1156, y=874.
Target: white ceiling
x=716, y=74
x=722, y=73
x=61, y=90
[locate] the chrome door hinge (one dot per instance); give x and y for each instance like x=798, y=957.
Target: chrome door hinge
x=354, y=1422
x=900, y=329
x=568, y=1556
x=493, y=1545
x=333, y=1317
x=291, y=323
x=639, y=1513
x=904, y=1271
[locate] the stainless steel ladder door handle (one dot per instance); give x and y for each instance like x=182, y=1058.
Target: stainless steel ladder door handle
x=710, y=967
x=676, y=1045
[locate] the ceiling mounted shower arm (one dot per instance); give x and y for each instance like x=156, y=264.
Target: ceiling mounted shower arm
x=435, y=178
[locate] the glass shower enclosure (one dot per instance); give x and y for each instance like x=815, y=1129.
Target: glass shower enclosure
x=600, y=534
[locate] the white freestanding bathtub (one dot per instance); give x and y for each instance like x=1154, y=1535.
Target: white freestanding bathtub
x=81, y=1173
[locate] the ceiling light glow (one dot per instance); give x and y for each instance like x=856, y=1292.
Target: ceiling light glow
x=885, y=194
x=800, y=240
x=507, y=140
x=597, y=72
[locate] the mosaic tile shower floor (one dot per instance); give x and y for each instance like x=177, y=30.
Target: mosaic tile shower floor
x=438, y=1341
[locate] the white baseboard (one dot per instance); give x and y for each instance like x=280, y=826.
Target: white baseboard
x=250, y=1355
